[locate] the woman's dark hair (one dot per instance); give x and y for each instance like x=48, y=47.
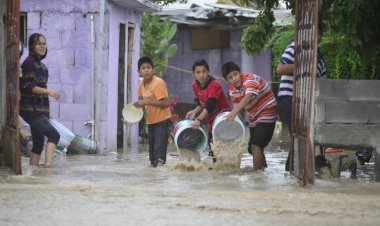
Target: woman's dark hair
x=228, y=68
x=32, y=42
x=201, y=62
x=145, y=60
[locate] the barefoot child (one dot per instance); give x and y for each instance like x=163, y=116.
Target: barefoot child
x=254, y=94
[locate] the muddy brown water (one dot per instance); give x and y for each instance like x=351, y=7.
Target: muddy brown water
x=119, y=188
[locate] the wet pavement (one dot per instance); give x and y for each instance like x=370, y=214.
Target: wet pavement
x=120, y=188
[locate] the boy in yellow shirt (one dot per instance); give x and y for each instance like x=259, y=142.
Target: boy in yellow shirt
x=154, y=98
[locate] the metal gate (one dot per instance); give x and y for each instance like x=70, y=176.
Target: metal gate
x=302, y=144
x=11, y=142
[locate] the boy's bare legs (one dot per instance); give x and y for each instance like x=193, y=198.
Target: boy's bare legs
x=34, y=159
x=50, y=148
x=258, y=158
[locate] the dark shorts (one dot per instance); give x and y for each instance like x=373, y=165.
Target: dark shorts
x=285, y=110
x=40, y=128
x=261, y=135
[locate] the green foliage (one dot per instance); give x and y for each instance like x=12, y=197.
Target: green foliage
x=342, y=62
x=262, y=29
x=356, y=20
x=171, y=51
x=256, y=35
x=155, y=41
x=277, y=43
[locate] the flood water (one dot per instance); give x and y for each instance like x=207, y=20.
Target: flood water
x=120, y=188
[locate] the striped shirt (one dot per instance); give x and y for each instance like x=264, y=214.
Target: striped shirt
x=286, y=84
x=263, y=106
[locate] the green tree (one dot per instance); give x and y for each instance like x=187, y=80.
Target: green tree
x=351, y=42
x=155, y=41
x=342, y=62
x=357, y=21
x=257, y=35
x=282, y=37
x=346, y=63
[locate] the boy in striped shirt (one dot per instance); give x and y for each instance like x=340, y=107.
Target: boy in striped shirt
x=254, y=94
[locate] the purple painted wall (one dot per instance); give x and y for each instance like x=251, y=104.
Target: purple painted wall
x=130, y=18
x=179, y=81
x=259, y=64
x=66, y=25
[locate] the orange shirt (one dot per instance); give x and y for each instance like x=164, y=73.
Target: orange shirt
x=155, y=90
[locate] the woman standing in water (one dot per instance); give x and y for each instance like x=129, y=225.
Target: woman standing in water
x=34, y=101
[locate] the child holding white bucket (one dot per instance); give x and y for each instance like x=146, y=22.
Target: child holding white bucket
x=254, y=94
x=209, y=96
x=154, y=98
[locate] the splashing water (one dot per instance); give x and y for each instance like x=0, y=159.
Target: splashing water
x=228, y=157
x=228, y=154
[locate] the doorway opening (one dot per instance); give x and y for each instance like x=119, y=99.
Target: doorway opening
x=131, y=34
x=121, y=79
x=124, y=80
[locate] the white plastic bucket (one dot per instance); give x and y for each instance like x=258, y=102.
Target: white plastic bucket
x=132, y=114
x=66, y=136
x=226, y=130
x=186, y=137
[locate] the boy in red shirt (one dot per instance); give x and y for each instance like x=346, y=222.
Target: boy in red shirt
x=209, y=96
x=254, y=94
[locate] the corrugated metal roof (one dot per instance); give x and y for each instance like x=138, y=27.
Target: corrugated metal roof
x=139, y=5
x=218, y=16
x=207, y=17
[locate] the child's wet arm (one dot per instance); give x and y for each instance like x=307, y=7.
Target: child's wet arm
x=164, y=102
x=239, y=106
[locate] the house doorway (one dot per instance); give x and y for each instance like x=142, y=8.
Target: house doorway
x=131, y=34
x=124, y=80
x=121, y=85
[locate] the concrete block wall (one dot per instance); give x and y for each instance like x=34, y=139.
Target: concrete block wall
x=66, y=26
x=347, y=112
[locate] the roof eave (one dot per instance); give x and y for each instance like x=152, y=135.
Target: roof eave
x=139, y=5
